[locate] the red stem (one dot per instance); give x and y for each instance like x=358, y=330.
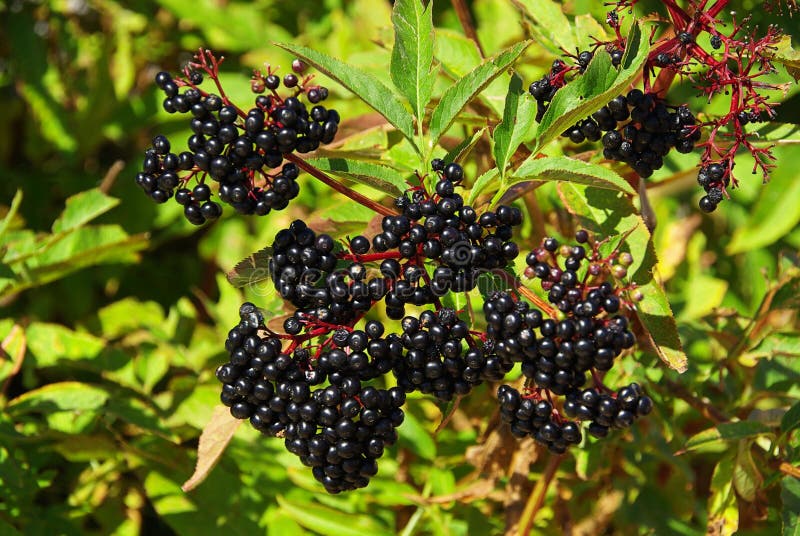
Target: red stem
x=342, y=189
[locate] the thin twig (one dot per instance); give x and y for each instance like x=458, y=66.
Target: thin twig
x=464, y=17
x=536, y=498
x=341, y=188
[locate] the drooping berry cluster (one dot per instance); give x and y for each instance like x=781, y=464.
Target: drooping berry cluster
x=604, y=410
x=318, y=384
x=240, y=150
x=341, y=427
x=559, y=354
x=714, y=178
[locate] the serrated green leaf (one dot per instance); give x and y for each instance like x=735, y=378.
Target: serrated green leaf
x=725, y=432
x=252, y=270
x=82, y=208
x=791, y=419
x=789, y=57
x=466, y=88
x=519, y=116
x=790, y=512
x=412, y=54
x=550, y=23
x=561, y=168
x=600, y=83
x=377, y=176
x=366, y=87
x=325, y=520
x=483, y=182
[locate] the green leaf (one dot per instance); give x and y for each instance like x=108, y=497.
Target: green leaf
x=611, y=213
x=12, y=211
x=747, y=479
x=466, y=88
x=412, y=54
x=415, y=437
x=52, y=344
x=487, y=179
x=790, y=512
x=561, y=168
x=460, y=152
x=550, y=23
x=776, y=212
x=791, y=419
x=128, y=314
x=725, y=432
x=722, y=508
x=325, y=520
x=518, y=119
x=789, y=57
x=82, y=208
x=587, y=30
x=252, y=270
x=366, y=87
x=58, y=397
x=599, y=84
x=213, y=441
x=377, y=176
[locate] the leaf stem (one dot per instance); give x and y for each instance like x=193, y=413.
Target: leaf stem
x=341, y=188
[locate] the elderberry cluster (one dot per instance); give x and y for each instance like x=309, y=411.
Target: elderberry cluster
x=534, y=417
x=436, y=360
x=607, y=410
x=654, y=129
x=714, y=178
x=559, y=354
x=240, y=150
x=440, y=228
x=307, y=272
x=339, y=429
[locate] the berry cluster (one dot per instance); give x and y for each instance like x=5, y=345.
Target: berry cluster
x=734, y=63
x=442, y=358
x=714, y=178
x=339, y=429
x=558, y=352
x=544, y=89
x=318, y=385
x=651, y=133
x=607, y=410
x=240, y=150
x=441, y=229
x=537, y=418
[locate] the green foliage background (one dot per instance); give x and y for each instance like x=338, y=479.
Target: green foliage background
x=113, y=310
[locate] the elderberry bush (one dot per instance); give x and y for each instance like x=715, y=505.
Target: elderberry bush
x=239, y=151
